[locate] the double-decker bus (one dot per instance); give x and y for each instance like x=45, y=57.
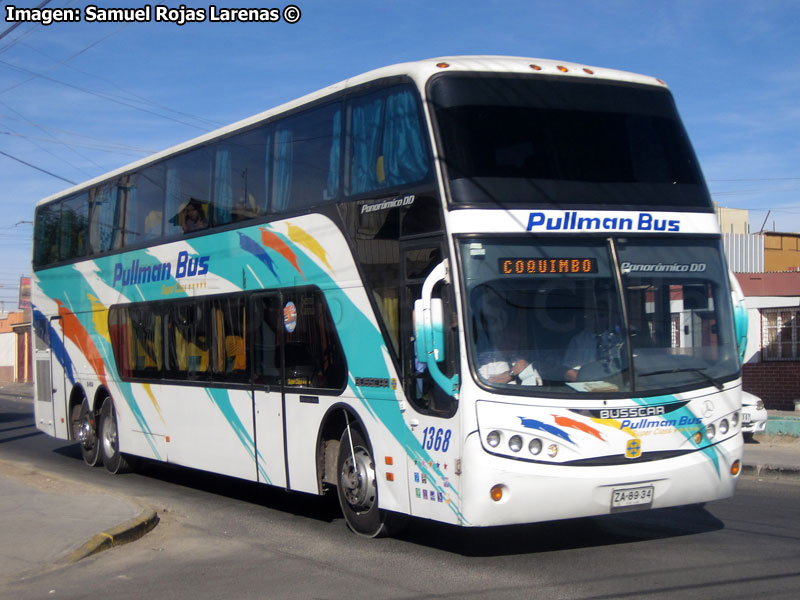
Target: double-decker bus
x=478, y=290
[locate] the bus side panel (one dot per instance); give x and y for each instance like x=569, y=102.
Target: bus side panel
x=140, y=419
x=210, y=429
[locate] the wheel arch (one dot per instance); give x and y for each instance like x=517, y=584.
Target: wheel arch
x=333, y=425
x=76, y=397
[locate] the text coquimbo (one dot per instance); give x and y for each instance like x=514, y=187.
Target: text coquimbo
x=145, y=14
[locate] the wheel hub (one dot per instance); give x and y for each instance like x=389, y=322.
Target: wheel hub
x=86, y=432
x=358, y=480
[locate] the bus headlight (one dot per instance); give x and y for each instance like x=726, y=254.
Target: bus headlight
x=723, y=427
x=493, y=439
x=735, y=419
x=515, y=443
x=711, y=432
x=535, y=446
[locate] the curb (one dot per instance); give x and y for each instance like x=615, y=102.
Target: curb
x=770, y=472
x=783, y=425
x=123, y=533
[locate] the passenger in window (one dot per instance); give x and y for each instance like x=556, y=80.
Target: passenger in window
x=194, y=217
x=501, y=359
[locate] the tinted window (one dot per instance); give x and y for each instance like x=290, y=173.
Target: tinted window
x=387, y=146
x=306, y=162
x=141, y=197
x=241, y=176
x=188, y=192
x=188, y=340
x=45, y=234
x=105, y=221
x=74, y=228
x=542, y=140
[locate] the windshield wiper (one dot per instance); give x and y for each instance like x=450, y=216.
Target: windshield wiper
x=715, y=382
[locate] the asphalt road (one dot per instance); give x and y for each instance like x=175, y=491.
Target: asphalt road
x=223, y=538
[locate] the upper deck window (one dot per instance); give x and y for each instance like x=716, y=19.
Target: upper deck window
x=538, y=141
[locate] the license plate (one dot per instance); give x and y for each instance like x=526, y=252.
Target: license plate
x=635, y=496
x=745, y=418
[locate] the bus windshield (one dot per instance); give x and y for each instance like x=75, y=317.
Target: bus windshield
x=573, y=142
x=551, y=317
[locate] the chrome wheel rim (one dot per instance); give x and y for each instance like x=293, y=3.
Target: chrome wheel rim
x=357, y=480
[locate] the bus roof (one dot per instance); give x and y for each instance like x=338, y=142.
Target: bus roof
x=419, y=71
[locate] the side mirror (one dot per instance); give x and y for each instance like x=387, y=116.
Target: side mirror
x=739, y=315
x=429, y=336
x=429, y=330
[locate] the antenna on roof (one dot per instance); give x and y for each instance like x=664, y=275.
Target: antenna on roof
x=765, y=222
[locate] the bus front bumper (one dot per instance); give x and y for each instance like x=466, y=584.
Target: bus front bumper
x=503, y=491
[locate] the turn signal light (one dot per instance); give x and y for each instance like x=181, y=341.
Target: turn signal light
x=497, y=492
x=736, y=467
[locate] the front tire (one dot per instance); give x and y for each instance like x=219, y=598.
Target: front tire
x=357, y=485
x=113, y=460
x=84, y=430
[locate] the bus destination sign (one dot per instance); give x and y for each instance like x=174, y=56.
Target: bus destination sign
x=547, y=266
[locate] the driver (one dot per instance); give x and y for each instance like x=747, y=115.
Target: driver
x=598, y=341
x=500, y=358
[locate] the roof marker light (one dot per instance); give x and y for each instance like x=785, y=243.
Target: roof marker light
x=563, y=69
x=442, y=65
x=660, y=81
x=589, y=71
x=536, y=67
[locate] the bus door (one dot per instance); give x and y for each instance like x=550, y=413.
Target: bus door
x=49, y=372
x=266, y=326
x=431, y=385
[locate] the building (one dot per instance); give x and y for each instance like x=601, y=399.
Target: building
x=772, y=360
x=15, y=347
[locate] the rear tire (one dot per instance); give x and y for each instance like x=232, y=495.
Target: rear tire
x=113, y=459
x=84, y=431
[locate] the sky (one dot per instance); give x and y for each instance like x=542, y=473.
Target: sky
x=79, y=99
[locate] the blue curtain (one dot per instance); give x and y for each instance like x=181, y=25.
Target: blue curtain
x=366, y=137
x=223, y=187
x=283, y=169
x=388, y=143
x=404, y=156
x=333, y=163
x=264, y=206
x=173, y=211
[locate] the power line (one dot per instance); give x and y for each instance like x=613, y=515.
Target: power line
x=18, y=23
x=27, y=164
x=98, y=95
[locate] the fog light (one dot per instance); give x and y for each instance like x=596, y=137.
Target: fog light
x=497, y=492
x=493, y=439
x=535, y=446
x=736, y=467
x=515, y=443
x=723, y=427
x=711, y=432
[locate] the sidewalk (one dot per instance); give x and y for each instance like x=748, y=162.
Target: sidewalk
x=47, y=521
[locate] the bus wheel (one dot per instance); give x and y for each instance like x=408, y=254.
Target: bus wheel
x=113, y=460
x=84, y=430
x=357, y=486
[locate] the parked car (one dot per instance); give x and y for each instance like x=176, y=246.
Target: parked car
x=754, y=415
